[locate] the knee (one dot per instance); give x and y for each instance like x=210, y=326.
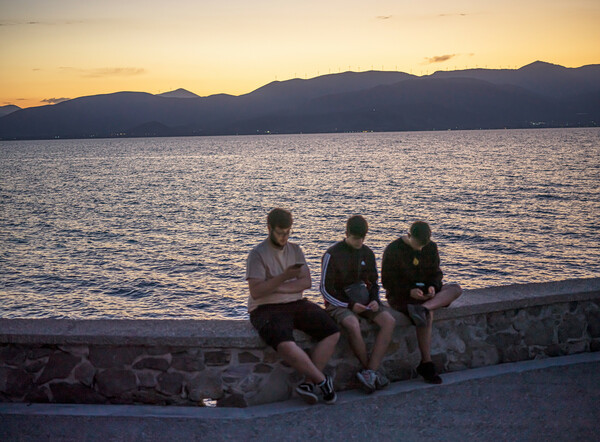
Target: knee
x=457, y=291
x=352, y=325
x=387, y=321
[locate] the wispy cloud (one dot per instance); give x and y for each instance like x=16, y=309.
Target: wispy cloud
x=458, y=14
x=54, y=100
x=105, y=72
x=40, y=23
x=383, y=17
x=439, y=58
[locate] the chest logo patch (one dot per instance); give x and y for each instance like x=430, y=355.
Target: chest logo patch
x=415, y=261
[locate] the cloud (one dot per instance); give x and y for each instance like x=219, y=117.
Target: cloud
x=54, y=100
x=439, y=58
x=460, y=14
x=106, y=72
x=383, y=17
x=40, y=23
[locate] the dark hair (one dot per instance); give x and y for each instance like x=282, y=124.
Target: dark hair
x=421, y=232
x=280, y=218
x=357, y=226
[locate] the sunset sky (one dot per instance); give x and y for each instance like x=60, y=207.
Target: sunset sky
x=56, y=49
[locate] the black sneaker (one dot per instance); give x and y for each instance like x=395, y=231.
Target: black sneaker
x=329, y=396
x=306, y=391
x=427, y=370
x=418, y=314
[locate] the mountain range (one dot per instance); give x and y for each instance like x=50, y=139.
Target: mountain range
x=537, y=95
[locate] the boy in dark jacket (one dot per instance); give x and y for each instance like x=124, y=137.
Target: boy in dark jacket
x=349, y=287
x=412, y=278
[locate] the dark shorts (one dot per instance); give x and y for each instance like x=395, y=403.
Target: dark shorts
x=275, y=323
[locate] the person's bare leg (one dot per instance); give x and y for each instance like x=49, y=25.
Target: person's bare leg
x=424, y=339
x=352, y=326
x=299, y=360
x=386, y=323
x=444, y=297
x=323, y=351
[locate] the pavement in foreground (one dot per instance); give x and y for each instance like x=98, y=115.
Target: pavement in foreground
x=541, y=400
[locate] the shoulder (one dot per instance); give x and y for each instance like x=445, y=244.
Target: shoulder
x=259, y=249
x=366, y=250
x=431, y=247
x=335, y=249
x=394, y=245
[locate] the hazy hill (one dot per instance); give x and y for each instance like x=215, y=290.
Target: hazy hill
x=178, y=93
x=539, y=94
x=5, y=110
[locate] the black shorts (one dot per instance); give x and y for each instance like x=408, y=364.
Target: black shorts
x=275, y=323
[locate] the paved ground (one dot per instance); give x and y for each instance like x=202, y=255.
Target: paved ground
x=550, y=399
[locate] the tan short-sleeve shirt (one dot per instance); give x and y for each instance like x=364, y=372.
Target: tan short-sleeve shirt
x=266, y=261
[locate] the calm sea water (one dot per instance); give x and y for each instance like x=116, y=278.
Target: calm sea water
x=160, y=228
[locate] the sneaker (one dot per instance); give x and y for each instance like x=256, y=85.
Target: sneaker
x=367, y=379
x=418, y=314
x=427, y=370
x=329, y=396
x=381, y=380
x=306, y=391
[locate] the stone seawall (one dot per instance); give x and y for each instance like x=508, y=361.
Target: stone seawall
x=202, y=362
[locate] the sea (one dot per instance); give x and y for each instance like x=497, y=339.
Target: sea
x=161, y=227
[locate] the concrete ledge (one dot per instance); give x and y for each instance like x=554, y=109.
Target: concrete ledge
x=239, y=333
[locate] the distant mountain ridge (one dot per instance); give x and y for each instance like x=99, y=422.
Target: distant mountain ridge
x=536, y=95
x=5, y=110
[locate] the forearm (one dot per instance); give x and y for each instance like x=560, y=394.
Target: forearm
x=295, y=285
x=260, y=289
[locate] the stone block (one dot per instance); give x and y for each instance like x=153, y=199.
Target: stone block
x=345, y=374
x=148, y=396
x=595, y=345
x=234, y=374
x=59, y=366
x=34, y=366
x=571, y=327
x=270, y=356
x=539, y=333
x=152, y=363
x=484, y=356
x=577, y=347
x=114, y=382
x=13, y=355
x=398, y=371
x=245, y=357
x=503, y=340
x=217, y=358
x=38, y=395
x=555, y=350
x=85, y=373
x=263, y=368
x=593, y=323
x=15, y=382
x=499, y=322
x=159, y=350
x=63, y=392
x=75, y=350
x=170, y=383
x=274, y=388
x=514, y=354
x=146, y=379
x=39, y=352
x=186, y=362
x=114, y=357
x=205, y=386
x=522, y=321
x=236, y=400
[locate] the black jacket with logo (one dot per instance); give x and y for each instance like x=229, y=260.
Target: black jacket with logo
x=343, y=265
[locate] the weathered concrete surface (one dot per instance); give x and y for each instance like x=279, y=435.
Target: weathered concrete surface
x=552, y=399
